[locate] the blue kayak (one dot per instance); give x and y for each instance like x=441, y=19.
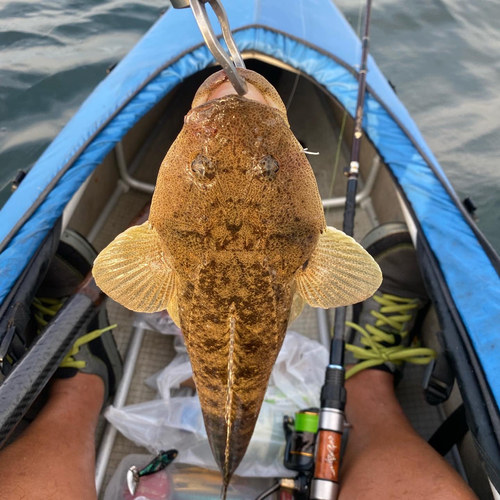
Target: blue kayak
x=460, y=267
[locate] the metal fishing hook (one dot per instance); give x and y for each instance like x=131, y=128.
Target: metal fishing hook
x=229, y=62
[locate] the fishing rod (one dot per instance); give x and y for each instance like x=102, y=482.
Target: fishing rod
x=325, y=481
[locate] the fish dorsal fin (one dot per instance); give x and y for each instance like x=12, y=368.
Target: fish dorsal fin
x=133, y=271
x=339, y=272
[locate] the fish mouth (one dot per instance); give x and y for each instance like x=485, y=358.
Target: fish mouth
x=259, y=89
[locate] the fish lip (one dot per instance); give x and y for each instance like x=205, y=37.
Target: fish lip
x=208, y=87
x=258, y=86
x=205, y=112
x=231, y=93
x=225, y=98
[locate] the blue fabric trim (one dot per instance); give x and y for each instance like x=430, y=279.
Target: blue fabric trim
x=472, y=281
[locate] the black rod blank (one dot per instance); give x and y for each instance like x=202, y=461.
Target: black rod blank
x=30, y=375
x=352, y=172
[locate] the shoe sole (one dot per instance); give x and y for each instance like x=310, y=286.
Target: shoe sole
x=105, y=348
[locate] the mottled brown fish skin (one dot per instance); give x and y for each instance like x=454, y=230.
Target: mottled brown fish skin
x=236, y=231
x=247, y=327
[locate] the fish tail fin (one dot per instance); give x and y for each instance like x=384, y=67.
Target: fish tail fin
x=223, y=492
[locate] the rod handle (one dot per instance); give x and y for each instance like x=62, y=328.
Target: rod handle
x=328, y=456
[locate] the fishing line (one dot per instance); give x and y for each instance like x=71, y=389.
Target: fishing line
x=358, y=29
x=294, y=88
x=344, y=118
x=269, y=491
x=337, y=154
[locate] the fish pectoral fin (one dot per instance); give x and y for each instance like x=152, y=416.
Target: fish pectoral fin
x=339, y=272
x=132, y=271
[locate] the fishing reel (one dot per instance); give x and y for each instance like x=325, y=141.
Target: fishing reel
x=300, y=436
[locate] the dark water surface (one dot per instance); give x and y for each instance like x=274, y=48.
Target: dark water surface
x=443, y=56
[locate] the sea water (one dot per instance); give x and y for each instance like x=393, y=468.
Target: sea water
x=441, y=55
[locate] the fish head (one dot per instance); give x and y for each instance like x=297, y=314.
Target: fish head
x=237, y=180
x=259, y=89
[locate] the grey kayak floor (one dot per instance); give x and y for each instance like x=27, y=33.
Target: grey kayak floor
x=157, y=349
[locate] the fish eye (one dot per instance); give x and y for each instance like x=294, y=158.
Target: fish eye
x=203, y=168
x=267, y=168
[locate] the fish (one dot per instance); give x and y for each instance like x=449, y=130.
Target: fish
x=235, y=245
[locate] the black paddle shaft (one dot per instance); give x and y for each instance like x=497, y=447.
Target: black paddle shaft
x=30, y=375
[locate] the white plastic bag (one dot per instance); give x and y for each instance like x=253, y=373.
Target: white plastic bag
x=160, y=322
x=177, y=422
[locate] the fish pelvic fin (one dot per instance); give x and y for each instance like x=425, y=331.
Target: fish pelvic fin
x=298, y=303
x=132, y=270
x=339, y=272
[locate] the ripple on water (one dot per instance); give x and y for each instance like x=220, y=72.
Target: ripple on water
x=442, y=55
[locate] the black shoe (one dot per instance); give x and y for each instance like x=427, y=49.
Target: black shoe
x=95, y=351
x=389, y=316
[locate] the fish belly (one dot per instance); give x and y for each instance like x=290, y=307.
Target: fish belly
x=234, y=319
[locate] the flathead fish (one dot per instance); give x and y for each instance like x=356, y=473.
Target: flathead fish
x=235, y=244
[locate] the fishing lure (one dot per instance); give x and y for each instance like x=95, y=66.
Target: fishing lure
x=161, y=461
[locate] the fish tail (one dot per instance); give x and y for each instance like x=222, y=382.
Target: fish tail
x=223, y=492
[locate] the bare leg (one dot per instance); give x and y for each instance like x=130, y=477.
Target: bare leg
x=55, y=456
x=385, y=457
